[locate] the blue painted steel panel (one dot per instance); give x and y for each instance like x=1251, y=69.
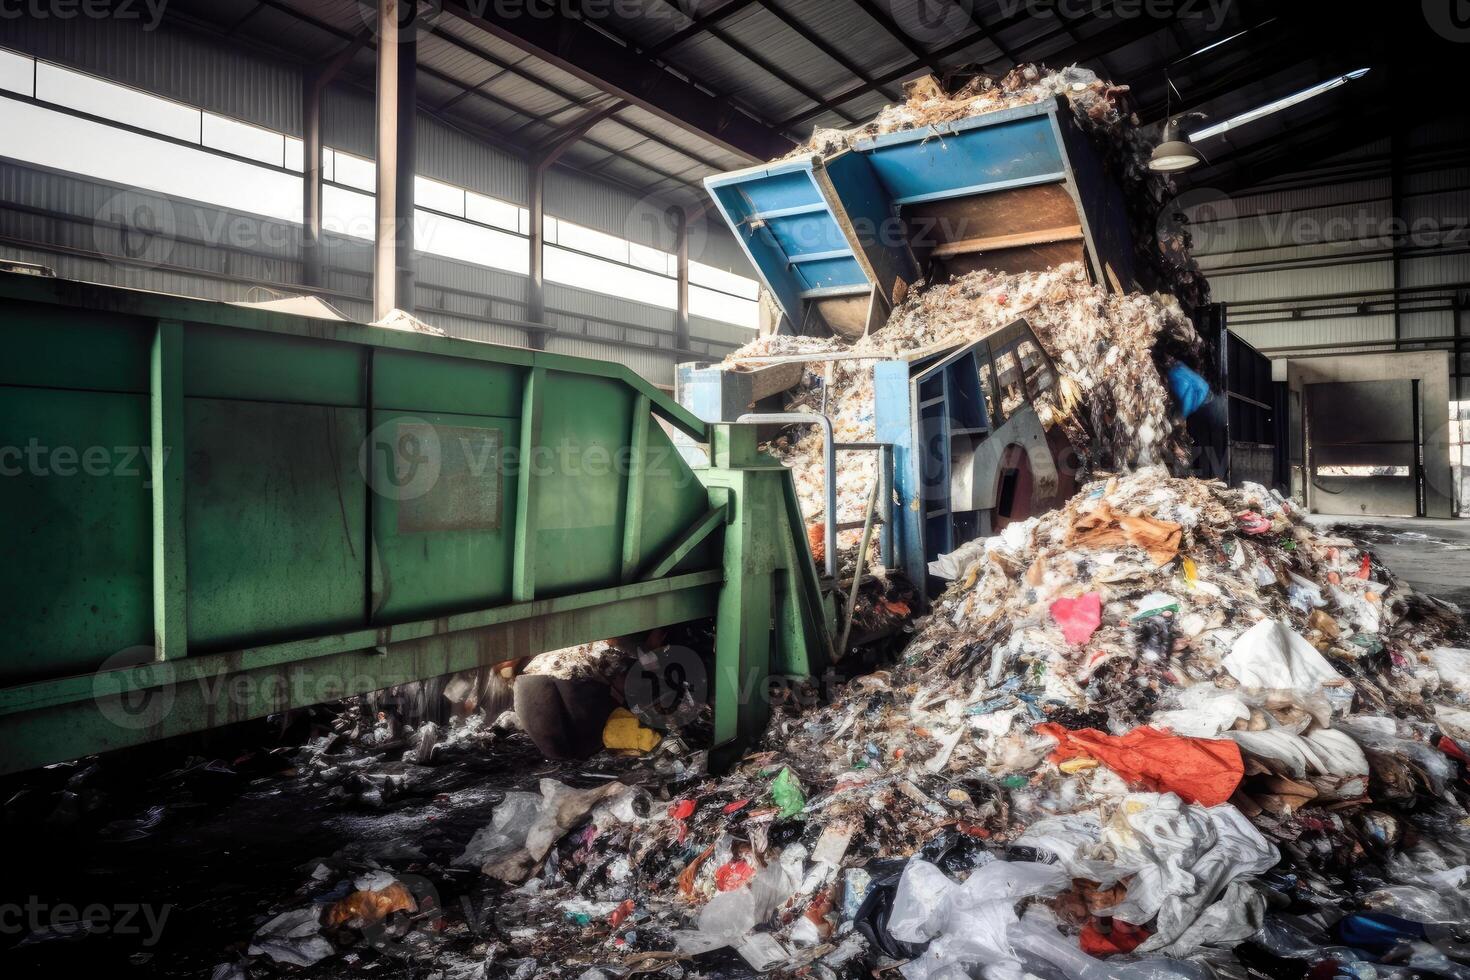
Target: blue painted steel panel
x=826, y=273
x=874, y=221
x=920, y=408
x=850, y=202
x=808, y=234
x=971, y=156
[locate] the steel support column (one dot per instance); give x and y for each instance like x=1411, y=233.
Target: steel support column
x=393, y=247
x=313, y=84
x=681, y=249
x=311, y=182
x=536, y=282
x=540, y=162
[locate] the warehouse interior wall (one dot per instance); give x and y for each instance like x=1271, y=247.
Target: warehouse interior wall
x=149, y=233
x=1362, y=252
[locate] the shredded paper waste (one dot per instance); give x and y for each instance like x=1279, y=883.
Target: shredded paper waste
x=1101, y=344
x=1249, y=759
x=1166, y=730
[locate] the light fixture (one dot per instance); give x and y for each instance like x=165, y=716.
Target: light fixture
x=1296, y=98
x=1175, y=152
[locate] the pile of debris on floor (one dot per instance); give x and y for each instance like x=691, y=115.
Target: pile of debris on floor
x=1102, y=110
x=1166, y=731
x=1111, y=400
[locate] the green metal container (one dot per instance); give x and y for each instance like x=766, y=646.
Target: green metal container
x=214, y=512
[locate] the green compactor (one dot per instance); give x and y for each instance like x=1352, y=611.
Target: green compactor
x=214, y=512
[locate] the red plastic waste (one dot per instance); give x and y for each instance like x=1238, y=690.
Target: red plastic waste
x=1124, y=937
x=729, y=877
x=1079, y=618
x=1198, y=770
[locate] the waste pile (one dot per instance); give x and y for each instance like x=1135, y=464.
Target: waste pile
x=1102, y=110
x=1165, y=731
x=1101, y=343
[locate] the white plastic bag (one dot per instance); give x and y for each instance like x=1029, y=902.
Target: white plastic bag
x=1271, y=656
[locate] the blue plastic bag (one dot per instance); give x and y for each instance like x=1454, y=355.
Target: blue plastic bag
x=1191, y=389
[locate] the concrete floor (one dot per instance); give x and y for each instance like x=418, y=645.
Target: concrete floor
x=1433, y=556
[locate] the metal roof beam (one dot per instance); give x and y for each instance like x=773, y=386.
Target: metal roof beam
x=939, y=54
x=882, y=18
x=812, y=38
x=699, y=25
x=576, y=47
x=769, y=67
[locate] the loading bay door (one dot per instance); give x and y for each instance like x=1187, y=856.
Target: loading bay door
x=1363, y=446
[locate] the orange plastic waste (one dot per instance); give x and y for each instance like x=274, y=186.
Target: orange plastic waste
x=1104, y=527
x=1198, y=770
x=816, y=538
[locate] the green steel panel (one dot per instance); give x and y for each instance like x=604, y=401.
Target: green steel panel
x=287, y=538
x=427, y=383
x=224, y=363
x=444, y=534
x=74, y=349
x=75, y=579
x=276, y=520
x=579, y=479
x=166, y=434
x=217, y=689
x=669, y=508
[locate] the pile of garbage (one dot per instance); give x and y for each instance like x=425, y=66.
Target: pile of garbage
x=1102, y=344
x=1165, y=731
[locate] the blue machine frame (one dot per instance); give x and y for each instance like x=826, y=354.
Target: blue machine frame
x=866, y=222
x=953, y=442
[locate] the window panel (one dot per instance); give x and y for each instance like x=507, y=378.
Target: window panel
x=610, y=278
x=17, y=72
x=244, y=140
x=116, y=102
x=725, y=282
x=492, y=211
x=438, y=196
x=715, y=305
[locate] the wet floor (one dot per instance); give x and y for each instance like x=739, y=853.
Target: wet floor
x=174, y=861
x=1432, y=556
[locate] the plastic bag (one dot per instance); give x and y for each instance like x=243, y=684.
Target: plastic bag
x=787, y=794
x=1189, y=388
x=966, y=925
x=1079, y=618
x=1199, y=770
x=1271, y=656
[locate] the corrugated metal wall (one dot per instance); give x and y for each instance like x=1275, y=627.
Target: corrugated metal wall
x=76, y=225
x=1368, y=251
x=1365, y=251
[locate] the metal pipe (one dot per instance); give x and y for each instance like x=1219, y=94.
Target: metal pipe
x=857, y=572
x=829, y=481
